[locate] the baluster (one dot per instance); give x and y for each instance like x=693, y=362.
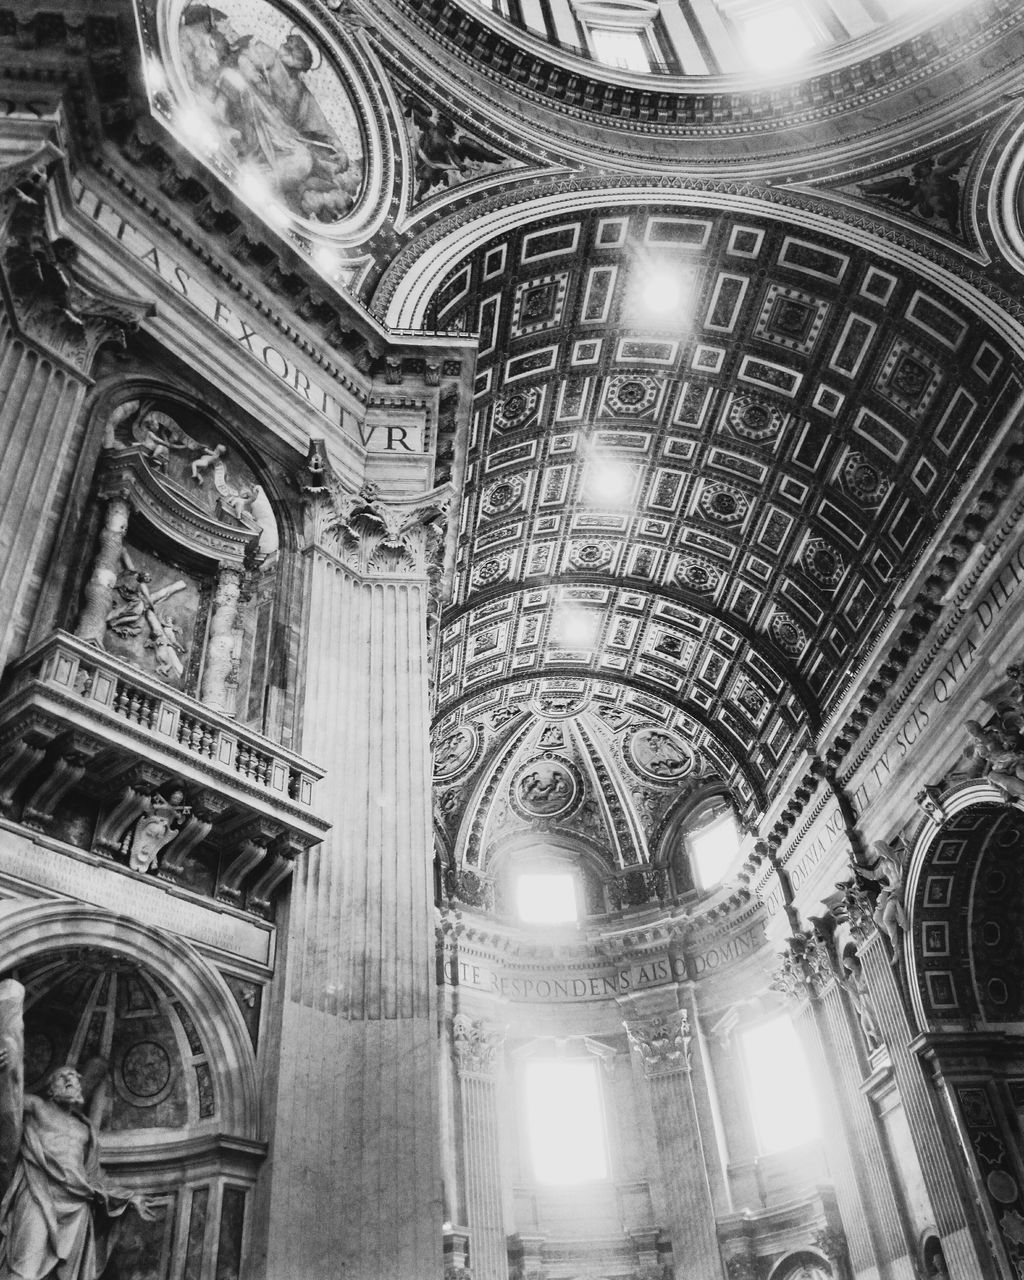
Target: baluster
x=121, y=699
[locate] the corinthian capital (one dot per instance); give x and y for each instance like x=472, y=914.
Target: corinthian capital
x=56, y=303
x=477, y=1044
x=662, y=1042
x=376, y=537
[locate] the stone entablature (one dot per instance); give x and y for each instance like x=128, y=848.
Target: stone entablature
x=503, y=963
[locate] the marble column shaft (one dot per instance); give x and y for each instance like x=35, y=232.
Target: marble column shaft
x=99, y=590
x=40, y=411
x=354, y=1185
x=220, y=643
x=481, y=1136
x=857, y=1158
x=662, y=1044
x=931, y=1138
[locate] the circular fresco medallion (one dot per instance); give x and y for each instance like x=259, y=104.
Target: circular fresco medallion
x=262, y=100
x=545, y=788
x=455, y=751
x=659, y=754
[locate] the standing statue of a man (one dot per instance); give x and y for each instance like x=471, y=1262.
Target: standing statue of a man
x=56, y=1215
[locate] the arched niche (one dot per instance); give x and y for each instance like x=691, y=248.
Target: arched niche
x=180, y=562
x=966, y=949
x=966, y=899
x=42, y=937
x=804, y=1265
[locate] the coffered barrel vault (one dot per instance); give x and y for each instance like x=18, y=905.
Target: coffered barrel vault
x=511, y=702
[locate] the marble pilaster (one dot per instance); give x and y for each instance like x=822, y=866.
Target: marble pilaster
x=662, y=1042
x=354, y=1186
x=877, y=1245
x=932, y=1141
x=477, y=1049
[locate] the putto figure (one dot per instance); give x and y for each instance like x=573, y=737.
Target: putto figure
x=57, y=1215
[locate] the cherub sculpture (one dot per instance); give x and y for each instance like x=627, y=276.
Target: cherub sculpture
x=57, y=1215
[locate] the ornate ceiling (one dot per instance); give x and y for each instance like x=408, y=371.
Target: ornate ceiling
x=694, y=524
x=785, y=444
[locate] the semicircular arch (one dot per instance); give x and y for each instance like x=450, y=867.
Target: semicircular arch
x=32, y=929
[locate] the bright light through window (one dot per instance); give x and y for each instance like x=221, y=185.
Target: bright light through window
x=781, y=1091
x=546, y=897
x=714, y=848
x=776, y=38
x=564, y=1125
x=623, y=49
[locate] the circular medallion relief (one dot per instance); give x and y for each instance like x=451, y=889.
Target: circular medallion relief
x=545, y=788
x=455, y=751
x=145, y=1074
x=659, y=754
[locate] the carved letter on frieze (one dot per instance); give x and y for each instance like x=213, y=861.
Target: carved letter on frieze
x=662, y=1042
x=477, y=1045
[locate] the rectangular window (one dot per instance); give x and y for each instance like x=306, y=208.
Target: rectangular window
x=564, y=1121
x=624, y=49
x=779, y=1086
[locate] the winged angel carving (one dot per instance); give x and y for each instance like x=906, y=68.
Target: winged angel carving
x=57, y=1215
x=930, y=190
x=444, y=153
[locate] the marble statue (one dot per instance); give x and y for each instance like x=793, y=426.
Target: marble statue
x=889, y=914
x=857, y=988
x=996, y=756
x=57, y=1214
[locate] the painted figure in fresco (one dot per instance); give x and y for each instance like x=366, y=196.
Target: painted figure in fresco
x=889, y=914
x=440, y=150
x=932, y=189
x=57, y=1215
x=155, y=828
x=267, y=115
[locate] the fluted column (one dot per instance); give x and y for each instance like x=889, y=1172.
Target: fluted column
x=220, y=644
x=871, y=1159
x=876, y=1242
x=931, y=1139
x=354, y=1186
x=477, y=1049
x=40, y=408
x=46, y=354
x=662, y=1044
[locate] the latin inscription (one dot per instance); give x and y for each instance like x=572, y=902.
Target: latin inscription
x=606, y=985
x=985, y=615
x=377, y=438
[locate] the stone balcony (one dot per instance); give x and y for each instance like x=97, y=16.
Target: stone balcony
x=97, y=753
